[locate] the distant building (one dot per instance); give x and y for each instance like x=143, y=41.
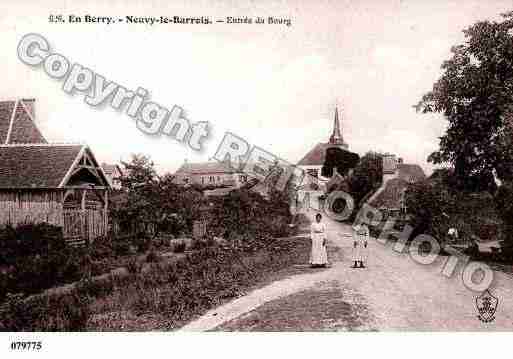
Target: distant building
x=313, y=161
x=389, y=198
x=60, y=184
x=113, y=174
x=210, y=174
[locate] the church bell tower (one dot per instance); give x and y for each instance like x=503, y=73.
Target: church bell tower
x=336, y=138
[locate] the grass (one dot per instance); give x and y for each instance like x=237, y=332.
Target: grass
x=155, y=292
x=317, y=309
x=165, y=298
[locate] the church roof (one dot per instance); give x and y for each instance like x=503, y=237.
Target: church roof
x=316, y=156
x=336, y=137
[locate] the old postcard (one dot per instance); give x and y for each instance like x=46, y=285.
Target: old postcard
x=243, y=166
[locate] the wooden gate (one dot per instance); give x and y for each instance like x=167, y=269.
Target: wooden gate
x=83, y=219
x=199, y=229
x=73, y=228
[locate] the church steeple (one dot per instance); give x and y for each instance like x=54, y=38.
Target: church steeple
x=336, y=137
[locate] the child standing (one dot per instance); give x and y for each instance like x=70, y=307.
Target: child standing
x=360, y=243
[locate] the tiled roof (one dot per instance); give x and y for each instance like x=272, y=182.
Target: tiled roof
x=5, y=118
x=110, y=169
x=22, y=129
x=204, y=168
x=411, y=172
x=35, y=166
x=316, y=155
x=390, y=197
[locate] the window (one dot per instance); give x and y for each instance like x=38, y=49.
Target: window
x=243, y=178
x=211, y=178
x=218, y=179
x=202, y=180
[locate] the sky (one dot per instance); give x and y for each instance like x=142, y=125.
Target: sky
x=274, y=85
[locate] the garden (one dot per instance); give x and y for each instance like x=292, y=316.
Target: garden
x=149, y=272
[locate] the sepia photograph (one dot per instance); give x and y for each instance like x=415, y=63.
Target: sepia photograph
x=248, y=169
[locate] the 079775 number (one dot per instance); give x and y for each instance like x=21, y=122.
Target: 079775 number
x=26, y=345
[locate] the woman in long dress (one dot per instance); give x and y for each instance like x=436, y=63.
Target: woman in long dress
x=318, y=234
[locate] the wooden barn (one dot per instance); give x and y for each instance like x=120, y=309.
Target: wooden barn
x=61, y=184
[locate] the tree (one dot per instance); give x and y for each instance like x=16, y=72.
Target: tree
x=428, y=203
x=138, y=172
x=149, y=203
x=504, y=201
x=475, y=95
x=367, y=175
x=340, y=159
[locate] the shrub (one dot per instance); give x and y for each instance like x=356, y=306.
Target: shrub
x=179, y=247
x=198, y=244
x=29, y=240
x=153, y=256
x=100, y=267
x=39, y=272
x=133, y=266
x=278, y=226
x=66, y=312
x=121, y=247
x=142, y=243
x=504, y=204
x=100, y=249
x=95, y=288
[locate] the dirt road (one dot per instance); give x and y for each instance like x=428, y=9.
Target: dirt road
x=396, y=292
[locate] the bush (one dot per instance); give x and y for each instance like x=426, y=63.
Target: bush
x=153, y=257
x=100, y=267
x=121, y=247
x=179, y=247
x=143, y=244
x=198, y=244
x=95, y=288
x=39, y=272
x=278, y=226
x=504, y=203
x=101, y=248
x=133, y=266
x=29, y=240
x=68, y=312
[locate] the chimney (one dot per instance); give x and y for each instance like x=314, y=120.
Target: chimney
x=389, y=163
x=30, y=105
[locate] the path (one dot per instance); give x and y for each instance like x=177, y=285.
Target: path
x=399, y=293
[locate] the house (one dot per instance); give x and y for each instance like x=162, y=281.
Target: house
x=389, y=197
x=210, y=174
x=113, y=174
x=61, y=184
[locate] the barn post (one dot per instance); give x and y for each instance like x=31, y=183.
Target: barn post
x=83, y=220
x=106, y=211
